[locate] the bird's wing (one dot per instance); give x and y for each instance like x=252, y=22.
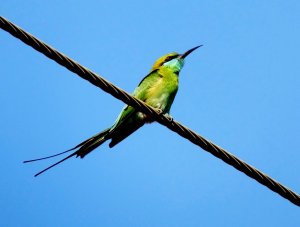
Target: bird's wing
x=146, y=83
x=140, y=93
x=129, y=119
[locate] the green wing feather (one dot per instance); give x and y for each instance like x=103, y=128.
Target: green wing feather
x=129, y=119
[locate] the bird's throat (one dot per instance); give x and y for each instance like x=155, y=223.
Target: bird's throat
x=175, y=64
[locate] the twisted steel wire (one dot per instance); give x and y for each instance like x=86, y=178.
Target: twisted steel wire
x=141, y=106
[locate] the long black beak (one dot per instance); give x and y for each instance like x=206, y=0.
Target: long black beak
x=189, y=51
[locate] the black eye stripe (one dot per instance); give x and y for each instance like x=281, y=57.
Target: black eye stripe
x=169, y=58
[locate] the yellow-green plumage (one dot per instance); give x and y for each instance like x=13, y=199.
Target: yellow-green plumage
x=157, y=89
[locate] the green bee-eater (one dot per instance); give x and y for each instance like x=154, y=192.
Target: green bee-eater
x=157, y=89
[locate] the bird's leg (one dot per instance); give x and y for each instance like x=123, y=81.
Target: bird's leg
x=159, y=111
x=167, y=115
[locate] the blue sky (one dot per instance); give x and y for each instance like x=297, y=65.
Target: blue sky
x=240, y=90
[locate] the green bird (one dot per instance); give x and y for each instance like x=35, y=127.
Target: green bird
x=157, y=89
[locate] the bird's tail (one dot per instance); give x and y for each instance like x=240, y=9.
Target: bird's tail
x=84, y=148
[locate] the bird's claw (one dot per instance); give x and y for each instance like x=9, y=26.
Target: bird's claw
x=169, y=117
x=159, y=111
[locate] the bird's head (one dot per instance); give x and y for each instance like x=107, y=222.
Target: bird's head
x=173, y=60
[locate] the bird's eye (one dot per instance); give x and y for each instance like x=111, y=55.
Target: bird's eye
x=169, y=58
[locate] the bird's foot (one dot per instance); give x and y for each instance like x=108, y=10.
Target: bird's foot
x=169, y=117
x=159, y=111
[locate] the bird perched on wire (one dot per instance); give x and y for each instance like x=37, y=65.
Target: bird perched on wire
x=157, y=89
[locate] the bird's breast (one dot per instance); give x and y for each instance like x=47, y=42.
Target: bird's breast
x=162, y=93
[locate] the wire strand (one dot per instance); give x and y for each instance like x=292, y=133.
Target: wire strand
x=141, y=106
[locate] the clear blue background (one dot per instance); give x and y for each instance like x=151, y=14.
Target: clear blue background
x=240, y=90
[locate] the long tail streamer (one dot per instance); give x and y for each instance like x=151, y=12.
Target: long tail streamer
x=140, y=106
